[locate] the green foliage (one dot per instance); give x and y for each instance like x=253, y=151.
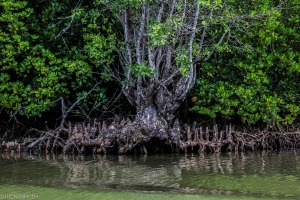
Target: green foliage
x=37, y=67
x=261, y=85
x=159, y=32
x=54, y=49
x=141, y=69
x=182, y=61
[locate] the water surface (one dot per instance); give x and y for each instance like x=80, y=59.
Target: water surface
x=245, y=175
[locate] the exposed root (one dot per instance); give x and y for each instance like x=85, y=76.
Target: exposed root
x=10, y=146
x=125, y=136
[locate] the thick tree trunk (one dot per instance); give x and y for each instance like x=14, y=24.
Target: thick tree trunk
x=150, y=119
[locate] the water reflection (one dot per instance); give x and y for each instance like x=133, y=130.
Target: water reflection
x=192, y=173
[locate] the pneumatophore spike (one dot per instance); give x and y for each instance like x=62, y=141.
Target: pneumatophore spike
x=104, y=126
x=176, y=124
x=99, y=127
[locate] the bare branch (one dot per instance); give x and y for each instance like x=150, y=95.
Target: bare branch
x=192, y=72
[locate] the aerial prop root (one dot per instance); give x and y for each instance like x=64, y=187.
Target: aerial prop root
x=126, y=135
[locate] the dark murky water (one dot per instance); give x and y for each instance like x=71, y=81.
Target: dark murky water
x=192, y=176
